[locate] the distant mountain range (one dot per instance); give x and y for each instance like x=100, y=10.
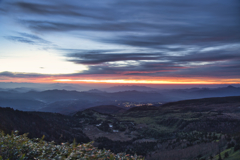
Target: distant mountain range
x=66, y=102
x=25, y=87
x=129, y=88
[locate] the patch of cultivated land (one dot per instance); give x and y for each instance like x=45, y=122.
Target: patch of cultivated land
x=191, y=129
x=200, y=128
x=93, y=133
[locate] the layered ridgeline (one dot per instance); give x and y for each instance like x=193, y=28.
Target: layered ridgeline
x=191, y=129
x=68, y=102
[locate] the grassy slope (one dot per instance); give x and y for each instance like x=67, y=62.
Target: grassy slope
x=232, y=155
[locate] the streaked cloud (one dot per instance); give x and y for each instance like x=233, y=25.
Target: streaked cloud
x=28, y=38
x=132, y=39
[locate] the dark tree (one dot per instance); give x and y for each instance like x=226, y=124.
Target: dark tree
x=226, y=155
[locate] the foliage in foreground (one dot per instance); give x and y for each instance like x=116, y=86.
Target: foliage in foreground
x=20, y=147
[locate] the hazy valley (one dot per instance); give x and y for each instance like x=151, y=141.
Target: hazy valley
x=163, y=129
x=71, y=101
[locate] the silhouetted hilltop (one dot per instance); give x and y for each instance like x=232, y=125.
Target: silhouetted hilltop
x=56, y=127
x=205, y=101
x=67, y=102
x=143, y=108
x=109, y=109
x=129, y=88
x=183, y=125
x=95, y=91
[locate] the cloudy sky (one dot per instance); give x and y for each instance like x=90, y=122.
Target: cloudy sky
x=120, y=41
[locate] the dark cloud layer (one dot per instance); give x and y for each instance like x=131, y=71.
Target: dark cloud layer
x=212, y=63
x=59, y=9
x=22, y=75
x=179, y=38
x=28, y=38
x=99, y=57
x=152, y=23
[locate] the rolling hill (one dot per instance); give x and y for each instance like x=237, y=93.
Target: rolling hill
x=200, y=127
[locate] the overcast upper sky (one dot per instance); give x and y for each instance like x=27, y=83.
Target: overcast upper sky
x=112, y=40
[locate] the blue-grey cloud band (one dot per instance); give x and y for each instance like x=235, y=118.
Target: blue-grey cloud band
x=187, y=38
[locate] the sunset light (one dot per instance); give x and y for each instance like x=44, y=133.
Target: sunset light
x=125, y=81
x=142, y=79
x=139, y=42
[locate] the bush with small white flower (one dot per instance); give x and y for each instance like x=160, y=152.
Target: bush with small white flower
x=20, y=147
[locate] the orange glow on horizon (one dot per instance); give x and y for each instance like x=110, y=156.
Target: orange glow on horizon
x=126, y=81
x=109, y=80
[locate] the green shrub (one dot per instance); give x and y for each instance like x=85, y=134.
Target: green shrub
x=20, y=147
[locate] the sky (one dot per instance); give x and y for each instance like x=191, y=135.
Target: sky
x=120, y=41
